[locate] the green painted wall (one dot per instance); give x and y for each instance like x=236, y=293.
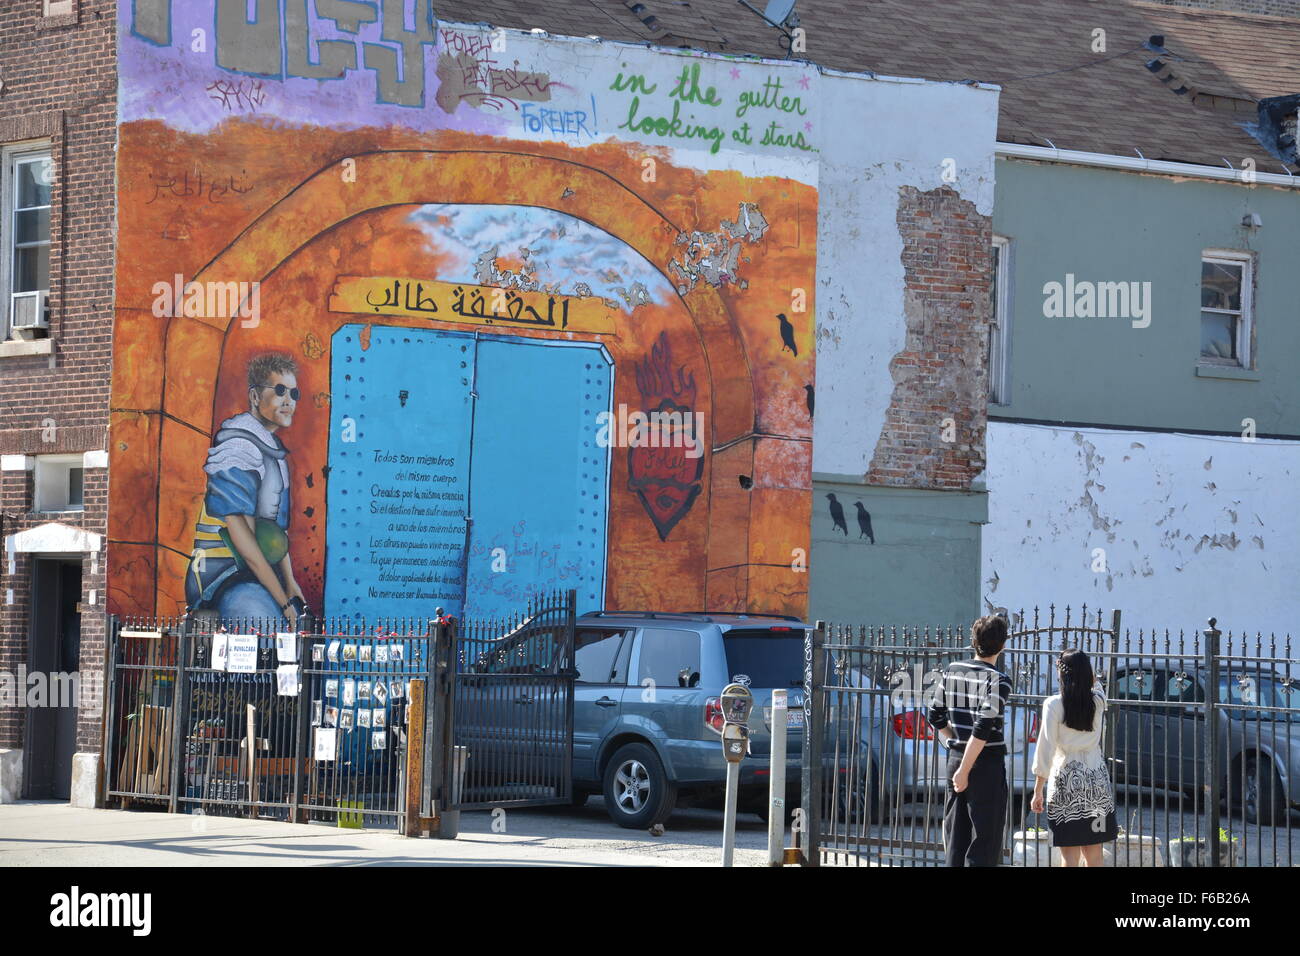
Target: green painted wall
x=923, y=568
x=1108, y=225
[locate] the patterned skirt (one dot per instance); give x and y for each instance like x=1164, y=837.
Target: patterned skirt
x=1081, y=809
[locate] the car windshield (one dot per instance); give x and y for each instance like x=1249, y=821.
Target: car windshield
x=768, y=658
x=528, y=651
x=1261, y=691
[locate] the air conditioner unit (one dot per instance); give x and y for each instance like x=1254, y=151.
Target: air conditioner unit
x=28, y=311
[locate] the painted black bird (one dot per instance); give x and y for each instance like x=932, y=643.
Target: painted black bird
x=837, y=515
x=787, y=334
x=864, y=523
x=809, y=390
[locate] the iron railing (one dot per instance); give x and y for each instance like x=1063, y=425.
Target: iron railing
x=195, y=724
x=1200, y=778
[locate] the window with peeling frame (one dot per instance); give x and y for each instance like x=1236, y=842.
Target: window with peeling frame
x=1226, y=284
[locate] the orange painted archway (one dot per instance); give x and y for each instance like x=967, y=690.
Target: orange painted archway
x=380, y=180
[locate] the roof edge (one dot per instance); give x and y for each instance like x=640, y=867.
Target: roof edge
x=1140, y=165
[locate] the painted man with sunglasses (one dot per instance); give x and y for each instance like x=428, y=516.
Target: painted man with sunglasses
x=241, y=567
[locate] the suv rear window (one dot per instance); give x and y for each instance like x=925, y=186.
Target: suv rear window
x=669, y=658
x=768, y=658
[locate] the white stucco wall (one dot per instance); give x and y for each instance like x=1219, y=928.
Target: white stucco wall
x=1192, y=526
x=889, y=133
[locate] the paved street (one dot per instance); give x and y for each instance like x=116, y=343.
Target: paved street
x=54, y=834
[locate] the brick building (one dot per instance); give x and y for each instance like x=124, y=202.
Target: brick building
x=58, y=108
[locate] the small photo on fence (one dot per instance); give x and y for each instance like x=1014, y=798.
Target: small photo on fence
x=396, y=689
x=365, y=653
x=349, y=693
x=325, y=744
x=333, y=653
x=317, y=653
x=349, y=651
x=346, y=720
x=288, y=680
x=380, y=719
x=363, y=690
x=286, y=648
x=396, y=653
x=381, y=654
x=378, y=740
x=381, y=692
x=316, y=712
x=331, y=716
x=363, y=717
x=332, y=689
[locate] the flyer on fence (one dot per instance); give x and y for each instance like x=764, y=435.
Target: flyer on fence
x=242, y=651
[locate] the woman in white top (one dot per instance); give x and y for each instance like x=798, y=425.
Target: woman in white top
x=1080, y=801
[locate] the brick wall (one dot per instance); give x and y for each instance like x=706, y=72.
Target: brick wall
x=941, y=372
x=1276, y=8
x=60, y=83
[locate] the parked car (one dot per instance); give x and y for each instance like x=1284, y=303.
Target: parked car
x=1159, y=717
x=899, y=757
x=647, y=715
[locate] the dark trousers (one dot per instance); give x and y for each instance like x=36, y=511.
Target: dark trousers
x=973, y=820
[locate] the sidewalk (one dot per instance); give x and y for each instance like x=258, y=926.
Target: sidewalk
x=55, y=834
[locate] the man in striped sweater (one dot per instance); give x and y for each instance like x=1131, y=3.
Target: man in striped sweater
x=967, y=709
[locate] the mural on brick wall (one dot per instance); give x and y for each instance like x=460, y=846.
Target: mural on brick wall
x=413, y=314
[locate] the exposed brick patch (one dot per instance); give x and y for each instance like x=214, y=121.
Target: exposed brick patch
x=940, y=374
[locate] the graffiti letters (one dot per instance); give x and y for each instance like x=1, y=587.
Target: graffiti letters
x=468, y=72
x=196, y=186
x=238, y=95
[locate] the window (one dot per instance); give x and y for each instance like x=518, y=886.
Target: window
x=669, y=658
x=1263, y=689
x=59, y=8
x=1226, y=283
x=769, y=658
x=1139, y=685
x=59, y=482
x=1000, y=323
x=596, y=657
x=1183, y=687
x=25, y=188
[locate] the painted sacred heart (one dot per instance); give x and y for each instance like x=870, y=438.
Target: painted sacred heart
x=666, y=478
x=665, y=462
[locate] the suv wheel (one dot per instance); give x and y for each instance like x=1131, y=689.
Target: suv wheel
x=638, y=793
x=1263, y=799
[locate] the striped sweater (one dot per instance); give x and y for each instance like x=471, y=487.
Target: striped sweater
x=972, y=699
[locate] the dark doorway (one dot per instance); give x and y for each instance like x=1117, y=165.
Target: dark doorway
x=53, y=648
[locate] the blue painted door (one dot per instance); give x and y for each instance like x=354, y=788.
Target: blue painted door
x=538, y=477
x=431, y=428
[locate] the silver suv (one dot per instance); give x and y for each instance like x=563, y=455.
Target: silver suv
x=647, y=722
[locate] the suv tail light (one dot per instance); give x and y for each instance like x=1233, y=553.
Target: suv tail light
x=1033, y=728
x=713, y=715
x=912, y=725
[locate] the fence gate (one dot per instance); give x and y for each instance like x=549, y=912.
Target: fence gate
x=502, y=735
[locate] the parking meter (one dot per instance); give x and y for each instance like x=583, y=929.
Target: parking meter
x=735, y=742
x=737, y=702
